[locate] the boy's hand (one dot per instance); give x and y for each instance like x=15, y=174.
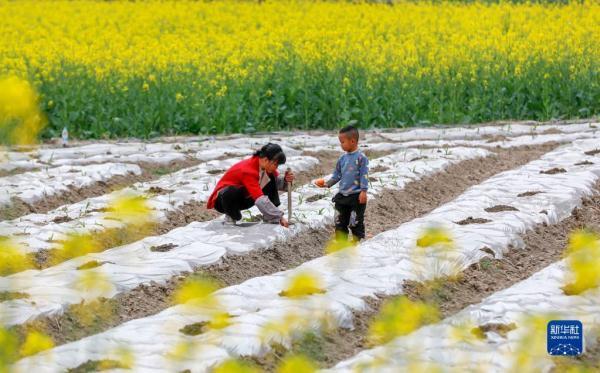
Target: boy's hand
x=283, y=222
x=289, y=177
x=362, y=197
x=320, y=183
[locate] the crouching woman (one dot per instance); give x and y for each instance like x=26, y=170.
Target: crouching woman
x=253, y=181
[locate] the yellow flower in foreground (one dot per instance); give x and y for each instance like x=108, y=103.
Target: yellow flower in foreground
x=11, y=259
x=235, y=366
x=75, y=245
x=303, y=284
x=8, y=349
x=197, y=291
x=21, y=119
x=35, y=342
x=583, y=259
x=93, y=282
x=179, y=97
x=130, y=209
x=339, y=243
x=400, y=316
x=220, y=320
x=296, y=364
x=434, y=236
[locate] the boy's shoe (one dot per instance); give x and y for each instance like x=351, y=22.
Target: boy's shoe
x=352, y=219
x=228, y=220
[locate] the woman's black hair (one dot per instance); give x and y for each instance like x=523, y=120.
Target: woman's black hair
x=272, y=152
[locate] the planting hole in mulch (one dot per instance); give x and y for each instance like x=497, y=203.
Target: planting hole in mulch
x=378, y=169
x=159, y=190
x=97, y=366
x=471, y=220
x=501, y=208
x=584, y=163
x=593, y=152
x=554, y=171
x=498, y=328
x=316, y=197
x=528, y=194
x=163, y=248
x=495, y=138
x=195, y=328
x=12, y=295
x=61, y=219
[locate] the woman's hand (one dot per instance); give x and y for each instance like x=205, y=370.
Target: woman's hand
x=362, y=197
x=283, y=222
x=289, y=176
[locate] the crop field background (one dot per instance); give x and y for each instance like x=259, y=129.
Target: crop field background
x=114, y=69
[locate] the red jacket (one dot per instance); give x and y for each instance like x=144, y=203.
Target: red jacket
x=244, y=173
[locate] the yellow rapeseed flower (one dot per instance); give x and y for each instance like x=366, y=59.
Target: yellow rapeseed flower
x=400, y=316
x=583, y=259
x=35, y=342
x=434, y=236
x=12, y=260
x=197, y=291
x=296, y=364
x=303, y=284
x=130, y=209
x=235, y=366
x=21, y=119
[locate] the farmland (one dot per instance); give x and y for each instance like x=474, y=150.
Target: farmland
x=461, y=222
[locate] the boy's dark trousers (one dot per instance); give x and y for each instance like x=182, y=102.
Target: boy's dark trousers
x=231, y=200
x=344, y=206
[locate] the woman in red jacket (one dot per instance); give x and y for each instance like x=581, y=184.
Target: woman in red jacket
x=253, y=181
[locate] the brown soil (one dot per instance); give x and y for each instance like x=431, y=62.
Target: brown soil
x=554, y=171
x=494, y=138
x=528, y=194
x=163, y=248
x=472, y=220
x=10, y=295
x=388, y=211
x=190, y=212
x=159, y=191
x=73, y=195
x=327, y=161
x=584, y=163
x=593, y=152
x=195, y=328
x=501, y=208
x=378, y=169
x=16, y=171
x=97, y=366
x=501, y=329
x=552, y=131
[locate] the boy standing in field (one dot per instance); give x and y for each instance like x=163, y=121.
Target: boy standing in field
x=351, y=171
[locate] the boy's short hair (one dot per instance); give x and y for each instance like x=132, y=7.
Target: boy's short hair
x=350, y=131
